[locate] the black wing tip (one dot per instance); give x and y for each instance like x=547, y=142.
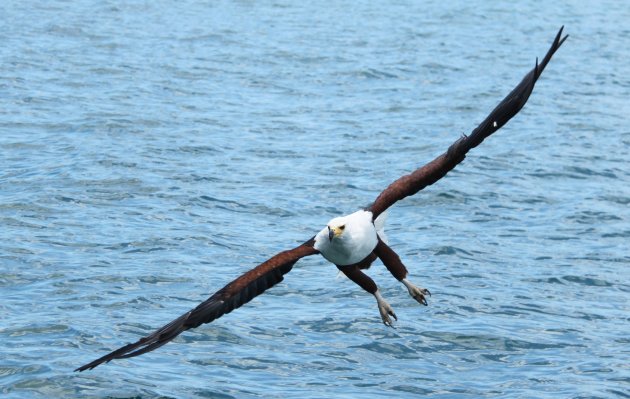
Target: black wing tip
x=557, y=42
x=146, y=344
x=559, y=39
x=94, y=363
x=563, y=39
x=90, y=365
x=101, y=360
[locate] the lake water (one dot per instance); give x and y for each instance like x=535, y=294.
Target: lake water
x=152, y=151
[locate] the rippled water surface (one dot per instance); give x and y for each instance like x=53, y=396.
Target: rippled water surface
x=152, y=151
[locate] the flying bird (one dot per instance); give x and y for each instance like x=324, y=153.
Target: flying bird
x=350, y=242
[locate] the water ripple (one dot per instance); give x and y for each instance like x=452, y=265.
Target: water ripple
x=151, y=152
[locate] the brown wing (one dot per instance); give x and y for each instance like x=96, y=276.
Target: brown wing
x=228, y=298
x=440, y=166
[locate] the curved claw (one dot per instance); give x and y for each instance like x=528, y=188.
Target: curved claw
x=421, y=299
x=386, y=311
x=417, y=293
x=386, y=320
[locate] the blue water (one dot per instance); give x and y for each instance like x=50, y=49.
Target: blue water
x=153, y=151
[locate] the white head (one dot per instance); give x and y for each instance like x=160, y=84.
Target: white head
x=336, y=227
x=347, y=239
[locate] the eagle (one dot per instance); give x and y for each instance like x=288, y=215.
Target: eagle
x=350, y=242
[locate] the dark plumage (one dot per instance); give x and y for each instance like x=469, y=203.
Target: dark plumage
x=440, y=166
x=271, y=272
x=228, y=298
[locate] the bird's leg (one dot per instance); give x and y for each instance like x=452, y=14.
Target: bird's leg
x=385, y=309
x=364, y=281
x=392, y=261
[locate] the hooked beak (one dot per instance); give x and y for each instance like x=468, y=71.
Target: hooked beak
x=331, y=233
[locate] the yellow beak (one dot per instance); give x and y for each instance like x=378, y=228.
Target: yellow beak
x=333, y=232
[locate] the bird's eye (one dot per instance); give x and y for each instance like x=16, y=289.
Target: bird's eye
x=343, y=226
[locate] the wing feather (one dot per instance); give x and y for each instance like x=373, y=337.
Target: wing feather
x=235, y=294
x=440, y=166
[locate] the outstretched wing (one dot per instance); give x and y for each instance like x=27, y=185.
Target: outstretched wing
x=228, y=298
x=440, y=166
